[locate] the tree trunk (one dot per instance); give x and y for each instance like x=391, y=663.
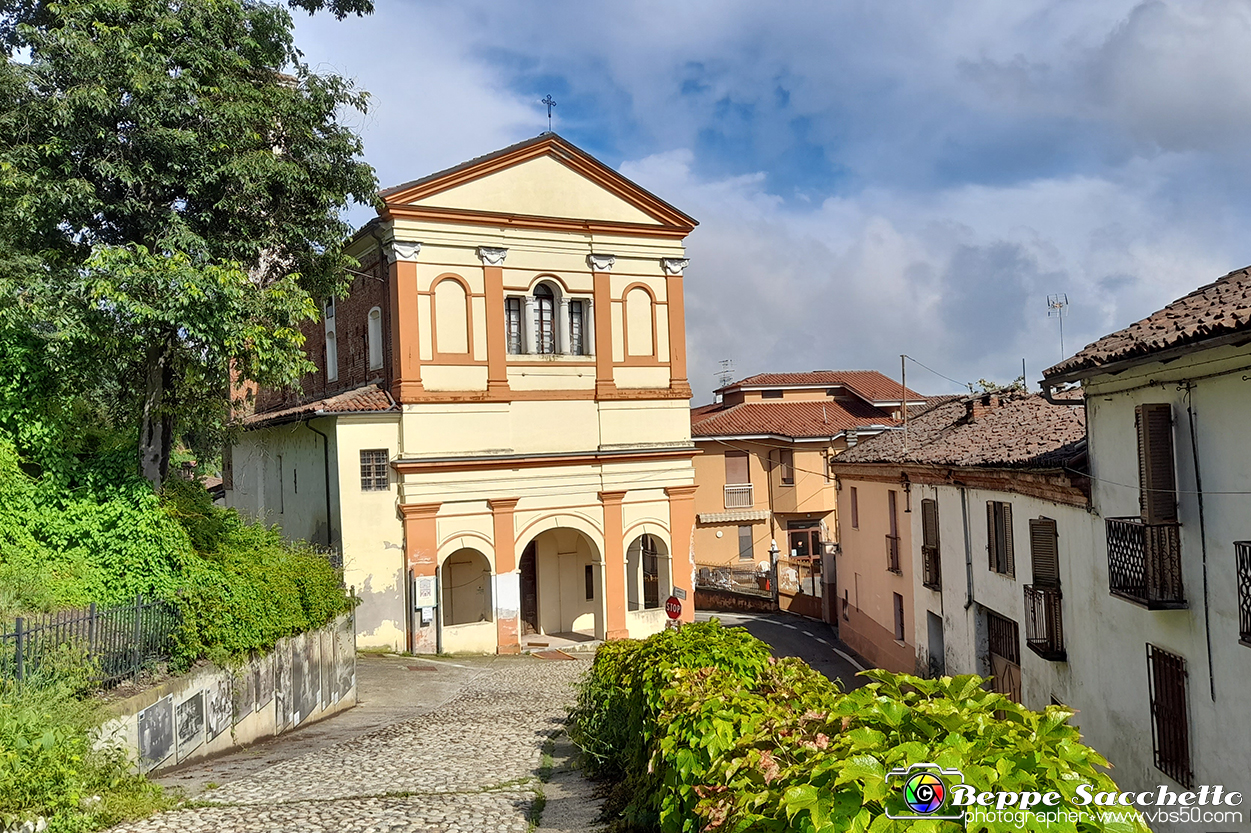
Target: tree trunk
x=153, y=446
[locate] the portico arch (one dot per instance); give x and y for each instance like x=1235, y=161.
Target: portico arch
x=562, y=585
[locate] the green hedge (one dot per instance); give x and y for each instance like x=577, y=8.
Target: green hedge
x=736, y=745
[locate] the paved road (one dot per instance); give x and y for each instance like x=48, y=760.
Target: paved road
x=794, y=636
x=472, y=755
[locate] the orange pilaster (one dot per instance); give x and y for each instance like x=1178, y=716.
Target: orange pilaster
x=507, y=580
x=497, y=331
x=614, y=567
x=421, y=560
x=677, y=331
x=604, y=383
x=681, y=523
x=405, y=350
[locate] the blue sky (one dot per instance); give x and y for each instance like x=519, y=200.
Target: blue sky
x=871, y=178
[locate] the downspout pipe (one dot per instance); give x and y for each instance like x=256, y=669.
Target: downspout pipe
x=1203, y=533
x=968, y=548
x=325, y=457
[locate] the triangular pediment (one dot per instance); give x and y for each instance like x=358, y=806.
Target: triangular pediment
x=543, y=178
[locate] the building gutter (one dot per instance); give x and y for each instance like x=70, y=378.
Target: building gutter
x=325, y=456
x=1203, y=533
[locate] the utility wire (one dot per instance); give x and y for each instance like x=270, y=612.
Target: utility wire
x=968, y=385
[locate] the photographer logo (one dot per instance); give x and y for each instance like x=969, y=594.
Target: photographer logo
x=922, y=791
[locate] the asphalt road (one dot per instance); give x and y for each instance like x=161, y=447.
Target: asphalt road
x=794, y=636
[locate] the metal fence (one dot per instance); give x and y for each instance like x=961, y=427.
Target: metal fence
x=734, y=578
x=116, y=643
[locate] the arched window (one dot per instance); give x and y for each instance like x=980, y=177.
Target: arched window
x=375, y=338
x=466, y=585
x=332, y=345
x=544, y=319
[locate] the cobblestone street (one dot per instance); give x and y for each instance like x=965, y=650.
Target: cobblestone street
x=471, y=764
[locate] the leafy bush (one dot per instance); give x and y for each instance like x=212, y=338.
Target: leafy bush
x=49, y=767
x=782, y=748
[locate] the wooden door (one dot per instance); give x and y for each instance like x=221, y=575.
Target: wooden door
x=529, y=592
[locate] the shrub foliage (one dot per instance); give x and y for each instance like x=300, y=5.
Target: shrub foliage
x=705, y=732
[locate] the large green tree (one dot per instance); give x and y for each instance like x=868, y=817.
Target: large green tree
x=172, y=185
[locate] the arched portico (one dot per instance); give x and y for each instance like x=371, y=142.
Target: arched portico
x=466, y=608
x=562, y=586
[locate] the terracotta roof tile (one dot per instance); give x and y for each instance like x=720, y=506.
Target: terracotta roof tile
x=363, y=399
x=869, y=384
x=813, y=418
x=1024, y=430
x=1221, y=307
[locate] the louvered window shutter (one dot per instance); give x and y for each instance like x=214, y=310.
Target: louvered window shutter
x=1008, y=559
x=1157, y=496
x=929, y=523
x=1044, y=552
x=992, y=536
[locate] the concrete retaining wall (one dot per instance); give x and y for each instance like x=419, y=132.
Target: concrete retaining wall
x=212, y=710
x=723, y=600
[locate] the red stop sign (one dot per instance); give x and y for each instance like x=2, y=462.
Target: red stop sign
x=673, y=606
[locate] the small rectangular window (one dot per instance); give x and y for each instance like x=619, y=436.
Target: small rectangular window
x=745, y=549
x=512, y=321
x=771, y=394
x=899, y=617
x=590, y=582
x=787, y=459
x=281, y=487
x=577, y=346
x=374, y=470
x=855, y=508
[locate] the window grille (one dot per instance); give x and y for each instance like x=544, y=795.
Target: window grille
x=577, y=344
x=375, y=472
x=1170, y=727
x=512, y=318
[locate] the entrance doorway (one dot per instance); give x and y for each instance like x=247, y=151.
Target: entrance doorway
x=1005, y=655
x=529, y=592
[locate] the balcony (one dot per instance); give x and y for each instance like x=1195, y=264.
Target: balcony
x=1044, y=631
x=739, y=496
x=1144, y=563
x=1242, y=549
x=892, y=554
x=931, y=568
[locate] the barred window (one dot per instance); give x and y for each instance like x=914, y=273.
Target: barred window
x=374, y=470
x=1170, y=727
x=576, y=338
x=544, y=320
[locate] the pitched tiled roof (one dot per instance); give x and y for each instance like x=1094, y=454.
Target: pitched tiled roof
x=870, y=384
x=1024, y=430
x=1219, y=308
x=363, y=399
x=815, y=418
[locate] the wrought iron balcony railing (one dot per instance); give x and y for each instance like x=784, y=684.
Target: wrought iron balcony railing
x=1144, y=563
x=1243, y=551
x=1044, y=628
x=739, y=496
x=892, y=554
x=931, y=568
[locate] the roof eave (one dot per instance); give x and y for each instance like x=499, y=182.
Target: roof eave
x=1112, y=368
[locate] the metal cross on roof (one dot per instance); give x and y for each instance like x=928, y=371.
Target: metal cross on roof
x=550, y=102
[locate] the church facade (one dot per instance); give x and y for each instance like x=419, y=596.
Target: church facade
x=497, y=437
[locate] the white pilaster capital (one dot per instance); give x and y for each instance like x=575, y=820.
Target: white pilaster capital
x=674, y=265
x=530, y=302
x=405, y=250
x=601, y=263
x=492, y=256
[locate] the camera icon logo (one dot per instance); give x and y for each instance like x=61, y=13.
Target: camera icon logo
x=922, y=791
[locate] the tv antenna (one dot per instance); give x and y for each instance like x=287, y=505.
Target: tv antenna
x=550, y=102
x=726, y=374
x=1055, y=308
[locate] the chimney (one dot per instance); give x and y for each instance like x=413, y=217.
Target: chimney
x=980, y=406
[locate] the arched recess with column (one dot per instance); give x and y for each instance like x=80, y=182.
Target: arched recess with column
x=649, y=572
x=562, y=579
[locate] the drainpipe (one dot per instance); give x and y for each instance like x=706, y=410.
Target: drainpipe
x=1203, y=534
x=325, y=456
x=968, y=548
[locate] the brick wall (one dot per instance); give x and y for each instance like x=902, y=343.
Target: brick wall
x=368, y=290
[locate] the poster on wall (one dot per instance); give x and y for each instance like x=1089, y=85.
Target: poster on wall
x=156, y=733
x=329, y=674
x=218, y=707
x=345, y=654
x=189, y=720
x=263, y=680
x=282, y=683
x=244, y=685
x=312, y=660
